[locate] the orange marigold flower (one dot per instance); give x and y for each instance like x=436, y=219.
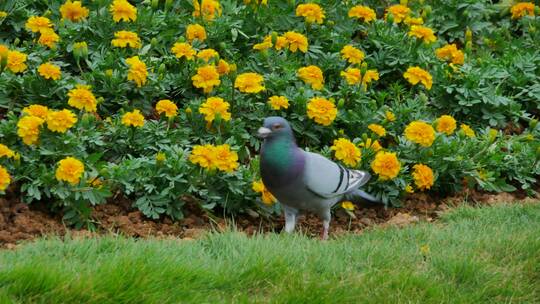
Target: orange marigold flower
x=60, y=121
x=352, y=54
x=81, y=97
x=377, y=129
x=28, y=129
x=5, y=179
x=386, y=165
x=195, y=31
x=207, y=78
x=321, y=110
x=126, y=38
x=423, y=176
x=168, y=107
x=38, y=24
x=295, y=41
x=182, y=49
x=362, y=12
x=417, y=75
x=137, y=71
x=214, y=106
x=49, y=71
x=422, y=32
x=249, y=83
x=313, y=76
x=522, y=9
x=70, y=170
x=133, y=118
x=48, y=38
x=74, y=11
x=37, y=111
x=122, y=10
x=207, y=54
x=278, y=102
x=311, y=12
x=266, y=197
x=468, y=131
x=399, y=12
x=450, y=53
x=346, y=151
x=446, y=124
x=16, y=61
x=208, y=8
x=421, y=133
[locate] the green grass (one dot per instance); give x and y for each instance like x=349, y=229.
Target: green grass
x=485, y=255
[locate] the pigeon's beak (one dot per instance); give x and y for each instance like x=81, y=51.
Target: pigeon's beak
x=263, y=132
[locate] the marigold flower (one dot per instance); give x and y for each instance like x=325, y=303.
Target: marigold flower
x=282, y=42
x=6, y=152
x=423, y=176
x=295, y=41
x=354, y=76
x=195, y=31
x=390, y=116
x=446, y=124
x=413, y=21
x=377, y=129
x=182, y=49
x=224, y=67
x=225, y=159
x=371, y=144
x=38, y=24
x=386, y=165
x=266, y=44
x=123, y=11
x=126, y=38
x=133, y=119
x=49, y=71
x=450, y=53
x=207, y=54
x=137, y=71
x=16, y=61
x=409, y=189
x=321, y=110
x=311, y=12
x=522, y=9
x=168, y=107
x=417, y=75
x=422, y=32
x=266, y=197
x=348, y=205
x=28, y=129
x=421, y=133
x=60, y=121
x=468, y=131
x=5, y=179
x=74, y=11
x=352, y=54
x=203, y=156
x=48, y=38
x=81, y=97
x=362, y=12
x=36, y=110
x=207, y=78
x=249, y=83
x=346, y=151
x=214, y=106
x=208, y=8
x=399, y=12
x=69, y=170
x=313, y=76
x=278, y=102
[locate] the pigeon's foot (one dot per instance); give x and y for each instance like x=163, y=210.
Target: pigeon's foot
x=324, y=234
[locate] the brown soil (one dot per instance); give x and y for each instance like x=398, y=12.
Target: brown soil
x=19, y=222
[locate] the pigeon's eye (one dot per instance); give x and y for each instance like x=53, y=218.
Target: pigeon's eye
x=276, y=126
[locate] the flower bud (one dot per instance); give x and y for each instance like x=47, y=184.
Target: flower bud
x=468, y=34
x=390, y=18
x=363, y=68
x=162, y=69
x=87, y=118
x=160, y=157
x=426, y=11
x=188, y=111
x=403, y=2
x=532, y=29
x=341, y=103
x=182, y=39
x=274, y=37
x=492, y=134
x=80, y=49
x=168, y=4
x=16, y=41
x=423, y=98
x=3, y=60
x=154, y=42
x=468, y=46
x=155, y=4
x=109, y=73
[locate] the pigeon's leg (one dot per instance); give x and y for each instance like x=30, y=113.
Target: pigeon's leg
x=290, y=218
x=326, y=217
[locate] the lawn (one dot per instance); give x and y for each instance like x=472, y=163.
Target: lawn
x=475, y=255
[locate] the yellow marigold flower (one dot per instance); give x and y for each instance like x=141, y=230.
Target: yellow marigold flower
x=346, y=151
x=203, y=156
x=371, y=144
x=417, y=75
x=368, y=77
x=390, y=116
x=28, y=129
x=352, y=54
x=133, y=119
x=48, y=38
x=16, y=61
x=313, y=76
x=208, y=8
x=168, y=107
x=413, y=21
x=60, y=121
x=223, y=67
x=6, y=152
x=266, y=197
x=207, y=78
x=3, y=14
x=421, y=133
x=321, y=110
x=422, y=32
x=282, y=42
x=295, y=41
x=81, y=97
x=362, y=12
x=49, y=71
x=214, y=106
x=225, y=159
x=446, y=124
x=386, y=165
x=182, y=49
x=423, y=176
x=249, y=83
x=522, y=9
x=399, y=12
x=137, y=71
x=74, y=11
x=69, y=170
x=5, y=179
x=409, y=189
x=352, y=75
x=311, y=12
x=278, y=102
x=126, y=38
x=377, y=129
x=37, y=111
x=348, y=205
x=266, y=44
x=468, y=131
x=207, y=54
x=38, y=24
x=123, y=11
x=450, y=53
x=195, y=31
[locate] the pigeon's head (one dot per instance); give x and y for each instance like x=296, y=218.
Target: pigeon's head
x=275, y=126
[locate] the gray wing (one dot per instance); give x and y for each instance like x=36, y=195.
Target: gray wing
x=328, y=179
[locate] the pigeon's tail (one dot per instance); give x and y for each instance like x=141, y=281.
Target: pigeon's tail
x=360, y=197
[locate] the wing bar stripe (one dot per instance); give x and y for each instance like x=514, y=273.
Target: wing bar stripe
x=340, y=178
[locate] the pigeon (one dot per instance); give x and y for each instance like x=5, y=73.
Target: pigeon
x=303, y=180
